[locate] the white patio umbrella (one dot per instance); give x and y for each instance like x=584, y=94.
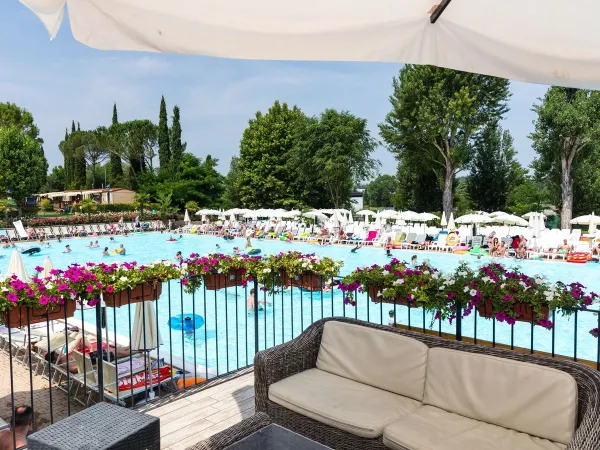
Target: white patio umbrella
x=591, y=219
x=365, y=212
x=16, y=267
x=48, y=267
x=451, y=224
x=510, y=219
x=428, y=216
x=186, y=217
x=145, y=336
x=457, y=35
x=232, y=218
x=443, y=222
x=409, y=216
x=498, y=213
x=532, y=213
x=203, y=218
x=350, y=218
x=473, y=219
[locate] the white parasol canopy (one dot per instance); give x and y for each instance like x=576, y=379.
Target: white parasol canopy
x=591, y=219
x=451, y=224
x=409, y=216
x=144, y=325
x=498, y=213
x=510, y=219
x=387, y=214
x=315, y=215
x=350, y=218
x=186, y=217
x=48, y=267
x=428, y=216
x=208, y=212
x=365, y=212
x=474, y=218
x=486, y=37
x=16, y=267
x=443, y=222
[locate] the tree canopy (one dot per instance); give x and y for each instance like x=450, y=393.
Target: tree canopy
x=380, y=192
x=435, y=113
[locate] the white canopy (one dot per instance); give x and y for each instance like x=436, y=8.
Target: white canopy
x=451, y=224
x=144, y=333
x=510, y=219
x=443, y=222
x=511, y=38
x=186, y=217
x=586, y=220
x=428, y=216
x=409, y=216
x=387, y=214
x=365, y=212
x=48, y=267
x=208, y=212
x=529, y=214
x=474, y=218
x=16, y=267
x=498, y=213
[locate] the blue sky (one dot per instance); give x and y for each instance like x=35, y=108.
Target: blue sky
x=61, y=80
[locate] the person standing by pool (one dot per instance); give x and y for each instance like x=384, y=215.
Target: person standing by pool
x=248, y=242
x=251, y=301
x=23, y=419
x=389, y=245
x=122, y=250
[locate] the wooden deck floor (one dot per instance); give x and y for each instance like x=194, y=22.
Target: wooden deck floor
x=187, y=420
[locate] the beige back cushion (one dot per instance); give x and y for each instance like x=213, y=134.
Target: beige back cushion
x=525, y=397
x=375, y=357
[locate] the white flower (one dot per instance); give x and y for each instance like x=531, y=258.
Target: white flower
x=502, y=286
x=166, y=262
x=220, y=271
x=466, y=289
x=415, y=289
x=486, y=279
x=473, y=292
x=398, y=282
x=442, y=287
x=304, y=264
x=426, y=272
x=523, y=284
x=435, y=276
x=184, y=265
x=385, y=272
x=124, y=279
x=267, y=270
x=462, y=273
x=379, y=294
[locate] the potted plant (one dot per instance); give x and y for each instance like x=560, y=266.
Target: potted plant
x=37, y=301
x=217, y=271
x=307, y=271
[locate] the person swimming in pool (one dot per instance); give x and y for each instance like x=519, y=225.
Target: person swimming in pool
x=248, y=242
x=355, y=249
x=171, y=238
x=413, y=260
x=122, y=250
x=178, y=257
x=112, y=239
x=91, y=244
x=67, y=249
x=105, y=252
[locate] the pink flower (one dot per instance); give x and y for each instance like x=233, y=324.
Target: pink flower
x=62, y=287
x=12, y=297
x=206, y=269
x=184, y=281
x=39, y=269
x=44, y=300
x=89, y=289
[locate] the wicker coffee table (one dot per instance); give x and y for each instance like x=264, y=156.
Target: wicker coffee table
x=100, y=427
x=274, y=437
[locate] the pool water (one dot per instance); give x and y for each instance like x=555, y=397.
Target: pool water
x=226, y=341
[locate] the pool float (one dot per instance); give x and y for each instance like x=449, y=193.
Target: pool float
x=228, y=238
x=116, y=251
x=253, y=251
x=452, y=240
x=183, y=383
x=399, y=240
x=31, y=251
x=170, y=241
x=478, y=251
x=186, y=322
x=460, y=249
x=578, y=257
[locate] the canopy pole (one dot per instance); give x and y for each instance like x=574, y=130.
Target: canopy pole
x=439, y=10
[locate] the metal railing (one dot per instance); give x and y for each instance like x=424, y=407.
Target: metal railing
x=222, y=333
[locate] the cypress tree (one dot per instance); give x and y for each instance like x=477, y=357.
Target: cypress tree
x=78, y=127
x=73, y=126
x=164, y=150
x=177, y=147
x=116, y=168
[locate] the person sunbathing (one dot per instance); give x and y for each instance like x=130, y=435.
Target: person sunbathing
x=521, y=252
x=565, y=247
x=495, y=248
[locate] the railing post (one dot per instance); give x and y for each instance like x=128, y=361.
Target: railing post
x=99, y=352
x=458, y=321
x=255, y=316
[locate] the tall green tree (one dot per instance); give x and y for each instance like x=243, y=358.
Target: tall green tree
x=341, y=147
x=55, y=181
x=116, y=165
x=380, y=191
x=73, y=129
x=567, y=127
x=436, y=111
x=265, y=179
x=22, y=166
x=164, y=146
x=231, y=197
x=494, y=169
x=177, y=146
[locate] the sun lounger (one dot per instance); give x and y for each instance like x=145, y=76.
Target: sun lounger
x=410, y=238
x=12, y=235
x=48, y=232
x=371, y=237
x=22, y=234
x=64, y=231
x=440, y=243
x=418, y=242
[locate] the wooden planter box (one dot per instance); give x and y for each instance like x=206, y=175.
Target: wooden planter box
x=307, y=280
x=525, y=311
x=18, y=314
x=118, y=299
x=372, y=292
x=214, y=282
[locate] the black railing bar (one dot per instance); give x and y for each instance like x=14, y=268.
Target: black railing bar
x=49, y=370
x=130, y=350
x=553, y=331
x=31, y=367
x=575, y=339
x=205, y=333
x=217, y=329
x=155, y=292
x=237, y=328
x=147, y=363
x=12, y=385
x=227, y=326
x=194, y=337
x=170, y=329
x=255, y=317
x=116, y=358
x=182, y=334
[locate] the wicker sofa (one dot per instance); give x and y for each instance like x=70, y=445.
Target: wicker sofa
x=355, y=385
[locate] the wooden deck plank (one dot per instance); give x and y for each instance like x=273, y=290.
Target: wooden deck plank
x=195, y=417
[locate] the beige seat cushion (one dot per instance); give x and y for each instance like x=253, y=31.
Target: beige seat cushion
x=341, y=403
x=431, y=428
x=385, y=360
x=533, y=399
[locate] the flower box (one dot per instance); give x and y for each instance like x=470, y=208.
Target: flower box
x=18, y=314
x=372, y=293
x=216, y=281
x=307, y=280
x=525, y=311
x=139, y=293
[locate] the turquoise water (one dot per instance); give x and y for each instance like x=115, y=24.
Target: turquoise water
x=226, y=341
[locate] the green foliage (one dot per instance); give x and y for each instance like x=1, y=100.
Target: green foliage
x=22, y=165
x=340, y=145
x=380, y=191
x=192, y=206
x=527, y=196
x=264, y=178
x=135, y=142
x=55, y=181
x=165, y=201
x=116, y=166
x=88, y=206
x=462, y=201
x=418, y=187
x=164, y=146
x=435, y=112
x=141, y=199
x=46, y=205
x=567, y=129
x=494, y=170
x=177, y=147
x=13, y=116
x=231, y=195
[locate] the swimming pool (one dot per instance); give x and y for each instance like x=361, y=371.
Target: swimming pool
x=226, y=340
